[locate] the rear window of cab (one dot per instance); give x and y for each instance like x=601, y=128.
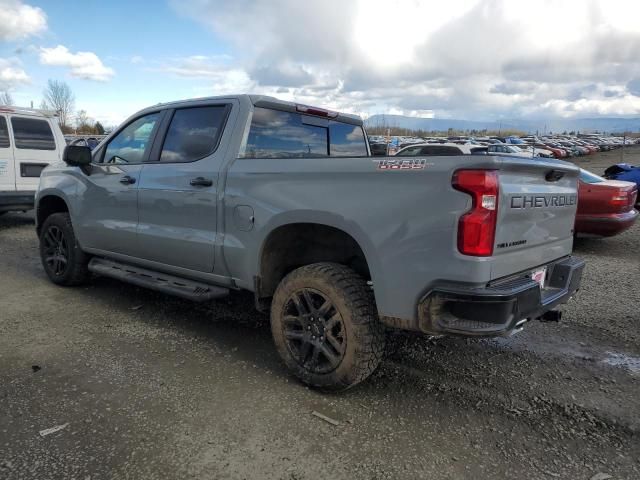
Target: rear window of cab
x=278, y=134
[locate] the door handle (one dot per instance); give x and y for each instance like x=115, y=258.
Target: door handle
x=127, y=180
x=201, y=182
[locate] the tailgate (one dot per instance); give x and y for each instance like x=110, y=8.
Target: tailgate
x=536, y=213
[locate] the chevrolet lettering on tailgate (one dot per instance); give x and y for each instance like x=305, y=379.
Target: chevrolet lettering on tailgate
x=543, y=201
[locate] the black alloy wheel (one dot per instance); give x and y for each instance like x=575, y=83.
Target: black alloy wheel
x=56, y=250
x=325, y=326
x=314, y=331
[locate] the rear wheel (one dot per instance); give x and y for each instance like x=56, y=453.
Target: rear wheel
x=325, y=326
x=63, y=260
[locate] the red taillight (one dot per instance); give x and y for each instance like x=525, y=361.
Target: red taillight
x=477, y=227
x=624, y=199
x=620, y=199
x=320, y=112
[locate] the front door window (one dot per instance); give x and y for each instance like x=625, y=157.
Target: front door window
x=132, y=144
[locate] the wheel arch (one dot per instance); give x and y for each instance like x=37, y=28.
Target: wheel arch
x=48, y=204
x=295, y=243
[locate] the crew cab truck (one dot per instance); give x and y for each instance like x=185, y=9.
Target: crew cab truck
x=196, y=198
x=30, y=140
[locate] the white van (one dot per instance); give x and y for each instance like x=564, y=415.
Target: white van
x=29, y=141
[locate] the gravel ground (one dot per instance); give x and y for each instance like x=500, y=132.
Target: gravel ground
x=153, y=387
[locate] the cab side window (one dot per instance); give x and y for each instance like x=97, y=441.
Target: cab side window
x=132, y=144
x=4, y=134
x=193, y=133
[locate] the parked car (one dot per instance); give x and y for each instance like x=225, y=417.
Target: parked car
x=508, y=150
x=441, y=149
x=605, y=207
x=583, y=150
x=575, y=149
x=85, y=142
x=30, y=140
x=626, y=172
x=557, y=152
x=200, y=197
x=564, y=152
x=534, y=151
x=590, y=146
x=378, y=149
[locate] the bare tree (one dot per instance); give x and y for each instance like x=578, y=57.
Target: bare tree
x=83, y=122
x=59, y=97
x=6, y=98
x=99, y=129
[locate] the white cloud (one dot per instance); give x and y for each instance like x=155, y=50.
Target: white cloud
x=19, y=21
x=85, y=65
x=224, y=78
x=197, y=66
x=12, y=75
x=462, y=58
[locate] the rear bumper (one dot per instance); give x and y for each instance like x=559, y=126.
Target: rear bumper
x=605, y=225
x=502, y=306
x=16, y=201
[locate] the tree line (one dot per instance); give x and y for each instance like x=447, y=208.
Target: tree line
x=57, y=96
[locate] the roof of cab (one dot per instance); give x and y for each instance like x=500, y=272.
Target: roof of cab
x=277, y=104
x=258, y=101
x=34, y=112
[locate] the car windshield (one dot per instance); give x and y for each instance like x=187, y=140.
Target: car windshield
x=514, y=149
x=588, y=177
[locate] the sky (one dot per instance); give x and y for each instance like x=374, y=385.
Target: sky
x=464, y=59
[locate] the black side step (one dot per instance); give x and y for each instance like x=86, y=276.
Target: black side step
x=177, y=286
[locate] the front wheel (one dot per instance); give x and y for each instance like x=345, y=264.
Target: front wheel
x=63, y=260
x=325, y=326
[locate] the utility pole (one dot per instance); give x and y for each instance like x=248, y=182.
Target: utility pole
x=388, y=140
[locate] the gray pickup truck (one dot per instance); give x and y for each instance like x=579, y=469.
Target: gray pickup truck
x=200, y=197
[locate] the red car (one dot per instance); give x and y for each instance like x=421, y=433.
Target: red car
x=605, y=207
x=557, y=152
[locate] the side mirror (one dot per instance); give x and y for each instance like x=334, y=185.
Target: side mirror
x=76, y=155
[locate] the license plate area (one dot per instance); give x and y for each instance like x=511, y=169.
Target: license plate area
x=539, y=276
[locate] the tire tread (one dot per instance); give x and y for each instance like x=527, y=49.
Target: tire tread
x=78, y=260
x=369, y=334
